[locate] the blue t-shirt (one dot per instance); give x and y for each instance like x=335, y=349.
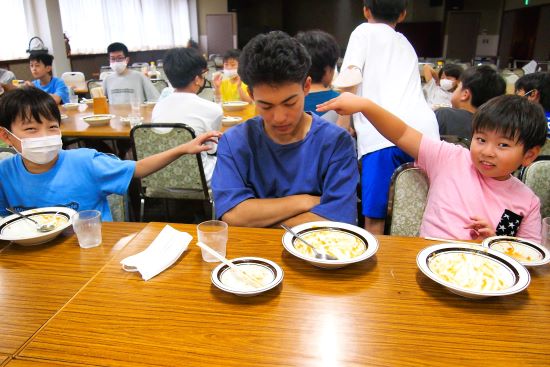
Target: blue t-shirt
x=324, y=163
x=55, y=86
x=315, y=98
x=548, y=123
x=80, y=179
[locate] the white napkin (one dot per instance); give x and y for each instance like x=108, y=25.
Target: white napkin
x=160, y=254
x=348, y=77
x=530, y=67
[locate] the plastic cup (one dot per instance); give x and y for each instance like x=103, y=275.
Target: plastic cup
x=100, y=106
x=214, y=234
x=87, y=226
x=546, y=232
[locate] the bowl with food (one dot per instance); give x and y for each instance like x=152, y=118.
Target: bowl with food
x=234, y=105
x=24, y=232
x=98, y=120
x=473, y=271
x=231, y=120
x=265, y=275
x=70, y=106
x=349, y=244
x=528, y=253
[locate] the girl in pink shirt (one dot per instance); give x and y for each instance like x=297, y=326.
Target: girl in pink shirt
x=472, y=194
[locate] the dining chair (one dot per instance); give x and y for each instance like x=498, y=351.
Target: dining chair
x=537, y=177
x=6, y=152
x=458, y=140
x=407, y=201
x=159, y=84
x=182, y=179
x=118, y=204
x=545, y=151
x=92, y=85
x=73, y=78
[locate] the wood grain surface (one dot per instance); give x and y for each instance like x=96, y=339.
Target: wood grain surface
x=36, y=281
x=74, y=126
x=382, y=312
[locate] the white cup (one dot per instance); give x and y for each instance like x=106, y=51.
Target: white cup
x=546, y=232
x=73, y=98
x=87, y=226
x=214, y=234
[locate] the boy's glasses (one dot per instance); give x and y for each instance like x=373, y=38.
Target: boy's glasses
x=117, y=59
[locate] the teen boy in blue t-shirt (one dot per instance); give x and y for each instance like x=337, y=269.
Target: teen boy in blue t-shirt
x=41, y=70
x=43, y=174
x=286, y=165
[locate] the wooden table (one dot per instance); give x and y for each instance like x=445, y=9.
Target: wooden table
x=74, y=127
x=382, y=312
x=37, y=281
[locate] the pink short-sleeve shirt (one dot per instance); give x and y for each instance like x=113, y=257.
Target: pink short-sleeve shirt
x=458, y=190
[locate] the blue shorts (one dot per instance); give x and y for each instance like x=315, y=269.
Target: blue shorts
x=377, y=169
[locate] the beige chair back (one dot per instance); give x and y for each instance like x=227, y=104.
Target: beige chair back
x=537, y=177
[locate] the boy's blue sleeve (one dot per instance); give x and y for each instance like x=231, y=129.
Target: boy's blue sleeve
x=112, y=174
x=3, y=202
x=339, y=198
x=227, y=183
x=62, y=91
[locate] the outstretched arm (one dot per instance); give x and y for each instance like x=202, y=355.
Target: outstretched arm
x=151, y=164
x=387, y=124
x=429, y=73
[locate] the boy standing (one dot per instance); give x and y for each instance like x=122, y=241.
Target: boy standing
x=41, y=69
x=43, y=174
x=286, y=165
x=476, y=86
x=186, y=69
x=472, y=194
x=125, y=84
x=228, y=86
x=391, y=78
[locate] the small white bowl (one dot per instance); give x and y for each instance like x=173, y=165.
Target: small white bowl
x=224, y=278
x=98, y=120
x=234, y=105
x=87, y=101
x=70, y=106
x=515, y=247
x=370, y=242
x=231, y=120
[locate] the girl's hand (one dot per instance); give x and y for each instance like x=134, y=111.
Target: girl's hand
x=344, y=104
x=480, y=228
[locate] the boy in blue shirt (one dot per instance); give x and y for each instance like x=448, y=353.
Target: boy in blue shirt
x=45, y=175
x=286, y=165
x=41, y=69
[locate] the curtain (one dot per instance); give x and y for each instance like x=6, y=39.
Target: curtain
x=91, y=25
x=13, y=30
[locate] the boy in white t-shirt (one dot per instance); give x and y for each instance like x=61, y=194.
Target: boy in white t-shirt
x=472, y=193
x=389, y=66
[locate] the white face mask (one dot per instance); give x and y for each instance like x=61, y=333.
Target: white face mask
x=119, y=66
x=40, y=150
x=446, y=84
x=229, y=73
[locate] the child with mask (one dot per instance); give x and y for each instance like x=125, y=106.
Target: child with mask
x=186, y=70
x=125, y=84
x=228, y=86
x=440, y=86
x=43, y=174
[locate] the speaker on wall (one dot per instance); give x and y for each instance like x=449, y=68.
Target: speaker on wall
x=454, y=4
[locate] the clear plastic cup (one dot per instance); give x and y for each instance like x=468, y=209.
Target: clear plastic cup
x=214, y=234
x=87, y=226
x=546, y=232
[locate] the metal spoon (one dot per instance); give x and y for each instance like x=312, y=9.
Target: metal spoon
x=318, y=255
x=39, y=227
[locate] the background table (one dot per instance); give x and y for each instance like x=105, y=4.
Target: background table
x=37, y=281
x=381, y=312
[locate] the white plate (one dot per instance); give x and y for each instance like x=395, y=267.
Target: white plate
x=540, y=254
x=222, y=276
x=23, y=232
x=87, y=101
x=234, y=105
x=98, y=120
x=371, y=243
x=63, y=116
x=510, y=271
x=126, y=120
x=231, y=120
x=70, y=106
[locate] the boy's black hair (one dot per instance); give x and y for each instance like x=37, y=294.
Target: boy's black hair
x=192, y=44
x=453, y=70
x=27, y=103
x=182, y=65
x=273, y=58
x=43, y=57
x=387, y=11
x=231, y=54
x=323, y=50
x=117, y=46
x=529, y=82
x=515, y=117
x=544, y=92
x=483, y=82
